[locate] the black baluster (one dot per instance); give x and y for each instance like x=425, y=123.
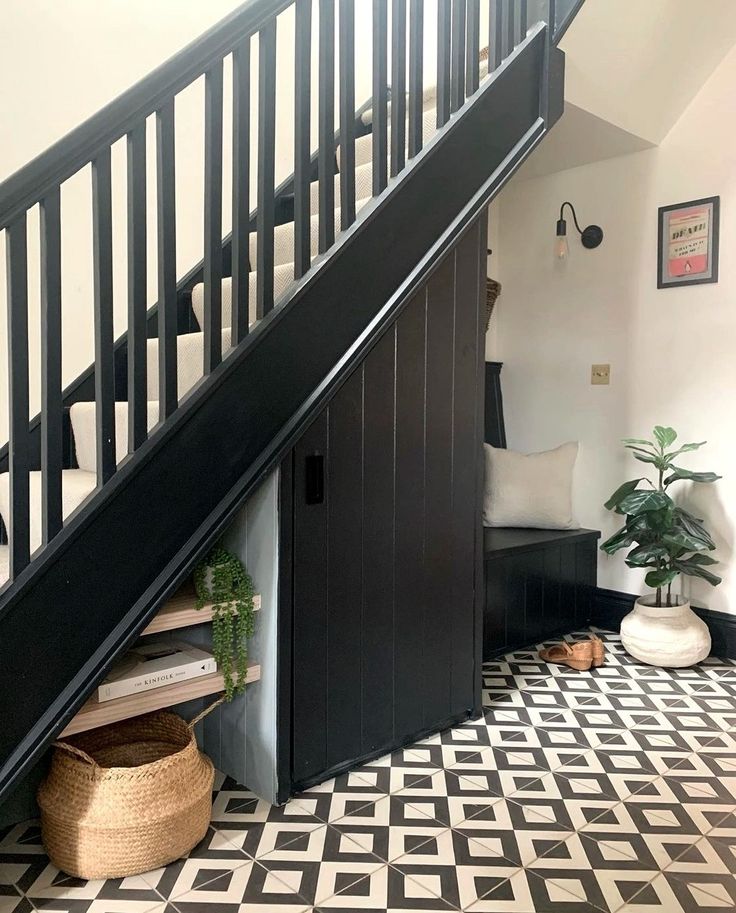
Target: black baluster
x=495, y=38
x=444, y=57
x=326, y=125
x=472, y=47
x=380, y=96
x=510, y=28
x=416, y=75
x=18, y=448
x=213, y=218
x=398, y=86
x=51, y=402
x=302, y=136
x=104, y=355
x=166, y=203
x=266, y=172
x=347, y=113
x=240, y=256
x=522, y=23
x=457, y=93
x=137, y=288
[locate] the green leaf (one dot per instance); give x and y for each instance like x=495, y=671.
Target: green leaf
x=693, y=527
x=691, y=542
x=639, y=502
x=637, y=440
x=693, y=569
x=686, y=448
x=678, y=473
x=620, y=493
x=646, y=555
x=621, y=539
x=651, y=458
x=657, y=579
x=665, y=436
x=701, y=559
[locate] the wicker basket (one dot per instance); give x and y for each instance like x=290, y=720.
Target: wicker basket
x=493, y=290
x=126, y=798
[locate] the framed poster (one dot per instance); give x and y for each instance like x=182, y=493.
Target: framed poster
x=688, y=243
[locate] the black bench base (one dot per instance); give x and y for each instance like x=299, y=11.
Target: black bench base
x=538, y=583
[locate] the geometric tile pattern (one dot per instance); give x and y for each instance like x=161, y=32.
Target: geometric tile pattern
x=612, y=790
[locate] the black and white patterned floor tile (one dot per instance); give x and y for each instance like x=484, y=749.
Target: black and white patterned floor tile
x=612, y=791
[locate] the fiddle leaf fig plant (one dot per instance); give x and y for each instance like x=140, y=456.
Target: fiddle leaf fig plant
x=667, y=540
x=222, y=581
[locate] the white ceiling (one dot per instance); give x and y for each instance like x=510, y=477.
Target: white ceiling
x=632, y=67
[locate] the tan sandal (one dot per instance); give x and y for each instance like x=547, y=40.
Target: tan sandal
x=599, y=651
x=578, y=655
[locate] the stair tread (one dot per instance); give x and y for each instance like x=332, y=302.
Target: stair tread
x=77, y=486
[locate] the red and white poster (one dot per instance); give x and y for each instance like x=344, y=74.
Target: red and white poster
x=688, y=243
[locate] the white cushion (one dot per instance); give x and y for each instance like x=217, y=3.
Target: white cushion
x=530, y=490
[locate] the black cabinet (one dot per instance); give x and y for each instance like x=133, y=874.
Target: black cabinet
x=380, y=531
x=538, y=583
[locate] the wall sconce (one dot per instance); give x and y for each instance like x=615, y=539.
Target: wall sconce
x=590, y=236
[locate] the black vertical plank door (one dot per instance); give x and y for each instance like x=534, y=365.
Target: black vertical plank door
x=409, y=512
x=378, y=545
x=345, y=578
x=310, y=570
x=438, y=491
x=384, y=599
x=466, y=453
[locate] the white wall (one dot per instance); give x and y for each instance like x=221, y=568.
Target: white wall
x=671, y=351
x=241, y=737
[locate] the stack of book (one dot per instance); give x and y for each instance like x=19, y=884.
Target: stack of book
x=153, y=665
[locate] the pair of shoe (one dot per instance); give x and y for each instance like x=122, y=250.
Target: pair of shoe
x=580, y=655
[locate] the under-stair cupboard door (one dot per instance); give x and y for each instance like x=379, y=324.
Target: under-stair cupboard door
x=385, y=523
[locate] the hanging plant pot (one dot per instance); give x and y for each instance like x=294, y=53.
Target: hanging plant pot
x=221, y=580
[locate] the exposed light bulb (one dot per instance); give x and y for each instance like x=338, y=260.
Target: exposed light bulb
x=561, y=240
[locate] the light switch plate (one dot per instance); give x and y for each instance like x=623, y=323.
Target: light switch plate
x=600, y=374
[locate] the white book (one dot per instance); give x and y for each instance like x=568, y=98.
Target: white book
x=153, y=665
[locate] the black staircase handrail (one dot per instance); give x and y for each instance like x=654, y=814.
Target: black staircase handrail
x=64, y=158
x=561, y=27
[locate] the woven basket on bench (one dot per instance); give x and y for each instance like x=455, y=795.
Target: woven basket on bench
x=126, y=798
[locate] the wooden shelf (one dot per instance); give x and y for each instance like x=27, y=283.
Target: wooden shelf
x=181, y=612
x=95, y=714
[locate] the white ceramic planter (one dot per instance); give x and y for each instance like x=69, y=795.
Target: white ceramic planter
x=671, y=636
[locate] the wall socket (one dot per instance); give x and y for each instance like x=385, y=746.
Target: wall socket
x=600, y=374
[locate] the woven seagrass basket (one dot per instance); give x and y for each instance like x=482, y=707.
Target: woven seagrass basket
x=493, y=290
x=126, y=798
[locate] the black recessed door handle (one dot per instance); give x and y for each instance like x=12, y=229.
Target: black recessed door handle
x=314, y=476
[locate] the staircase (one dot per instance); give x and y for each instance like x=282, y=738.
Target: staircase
x=112, y=494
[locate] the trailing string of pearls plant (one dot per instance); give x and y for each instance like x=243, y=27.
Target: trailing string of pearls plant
x=221, y=580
